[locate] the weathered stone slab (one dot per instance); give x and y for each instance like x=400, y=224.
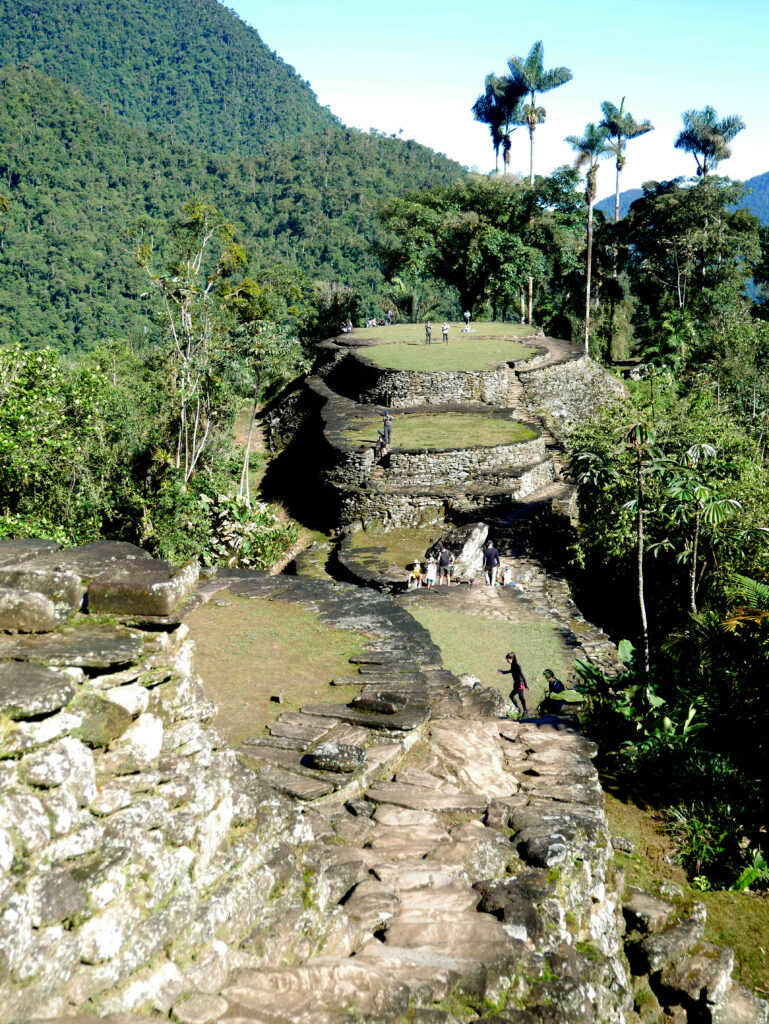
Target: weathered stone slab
x=293, y=725
x=142, y=587
x=703, y=975
x=89, y=560
x=336, y=757
x=405, y=720
x=452, y=972
x=418, y=799
x=647, y=913
x=87, y=646
x=25, y=611
x=405, y=876
x=474, y=752
x=12, y=552
x=657, y=951
x=388, y=814
x=64, y=589
x=298, y=786
x=103, y=720
x=27, y=690
x=426, y=780
x=381, y=702
x=739, y=1006
x=199, y=1009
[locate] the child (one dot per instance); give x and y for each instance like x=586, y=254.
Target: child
x=519, y=681
x=415, y=576
x=507, y=576
x=432, y=572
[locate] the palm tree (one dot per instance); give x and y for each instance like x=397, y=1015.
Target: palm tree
x=621, y=126
x=500, y=108
x=531, y=77
x=707, y=138
x=590, y=148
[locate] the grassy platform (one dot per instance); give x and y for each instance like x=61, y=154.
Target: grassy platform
x=477, y=645
x=403, y=347
x=393, y=553
x=250, y=650
x=442, y=430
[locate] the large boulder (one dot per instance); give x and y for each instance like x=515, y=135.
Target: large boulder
x=466, y=544
x=142, y=587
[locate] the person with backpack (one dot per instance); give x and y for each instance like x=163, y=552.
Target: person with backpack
x=519, y=681
x=490, y=563
x=445, y=562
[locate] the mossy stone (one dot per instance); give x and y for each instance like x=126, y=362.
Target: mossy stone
x=103, y=720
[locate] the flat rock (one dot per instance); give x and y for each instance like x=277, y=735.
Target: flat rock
x=142, y=587
x=26, y=611
x=388, y=814
x=12, y=552
x=27, y=690
x=405, y=720
x=419, y=799
x=467, y=975
x=474, y=752
x=657, y=951
x=382, y=702
x=87, y=646
x=319, y=982
x=299, y=786
x=199, y=1009
x=703, y=975
x=739, y=1006
x=336, y=757
x=647, y=913
x=103, y=720
x=405, y=876
x=480, y=928
x=425, y=780
x=64, y=589
x=89, y=560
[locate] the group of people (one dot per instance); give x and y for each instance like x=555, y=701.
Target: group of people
x=384, y=435
x=555, y=687
x=437, y=568
x=444, y=332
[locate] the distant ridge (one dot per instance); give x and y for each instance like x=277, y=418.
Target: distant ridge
x=189, y=65
x=757, y=202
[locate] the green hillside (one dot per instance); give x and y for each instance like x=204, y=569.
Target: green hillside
x=77, y=176
x=756, y=202
x=189, y=65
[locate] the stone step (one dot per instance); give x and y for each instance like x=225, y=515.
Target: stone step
x=419, y=799
x=739, y=1006
x=299, y=786
x=293, y=761
x=401, y=720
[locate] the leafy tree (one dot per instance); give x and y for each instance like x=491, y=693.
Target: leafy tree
x=622, y=127
x=591, y=148
x=707, y=138
x=194, y=325
x=464, y=235
x=530, y=75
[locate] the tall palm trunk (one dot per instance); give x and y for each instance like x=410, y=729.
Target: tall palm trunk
x=591, y=190
x=531, y=153
x=640, y=560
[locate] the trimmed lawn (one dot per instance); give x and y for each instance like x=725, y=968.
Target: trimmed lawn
x=442, y=430
x=403, y=347
x=250, y=650
x=471, y=643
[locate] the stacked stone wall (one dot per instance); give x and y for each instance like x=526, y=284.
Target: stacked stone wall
x=569, y=392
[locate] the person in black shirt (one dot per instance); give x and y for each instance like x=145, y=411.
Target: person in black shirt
x=519, y=681
x=490, y=563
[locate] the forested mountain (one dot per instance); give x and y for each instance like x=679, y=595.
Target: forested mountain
x=78, y=176
x=189, y=65
x=757, y=202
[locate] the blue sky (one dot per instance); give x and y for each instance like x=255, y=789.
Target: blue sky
x=418, y=67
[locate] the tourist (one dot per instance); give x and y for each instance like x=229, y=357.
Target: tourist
x=467, y=315
x=428, y=332
x=490, y=563
x=445, y=332
x=387, y=427
x=415, y=575
x=519, y=681
x=432, y=572
x=380, y=449
x=553, y=700
x=445, y=565
x=388, y=317
x=507, y=576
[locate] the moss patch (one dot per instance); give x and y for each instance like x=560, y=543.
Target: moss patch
x=471, y=643
x=250, y=650
x=443, y=430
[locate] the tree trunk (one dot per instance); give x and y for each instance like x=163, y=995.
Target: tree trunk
x=640, y=553
x=588, y=273
x=523, y=307
x=616, y=205
x=531, y=301
x=695, y=547
x=245, y=489
x=531, y=154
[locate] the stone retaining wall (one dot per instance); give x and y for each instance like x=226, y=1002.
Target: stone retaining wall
x=568, y=393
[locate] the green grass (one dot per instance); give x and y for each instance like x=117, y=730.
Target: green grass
x=735, y=919
x=470, y=643
x=393, y=553
x=403, y=347
x=250, y=650
x=443, y=430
